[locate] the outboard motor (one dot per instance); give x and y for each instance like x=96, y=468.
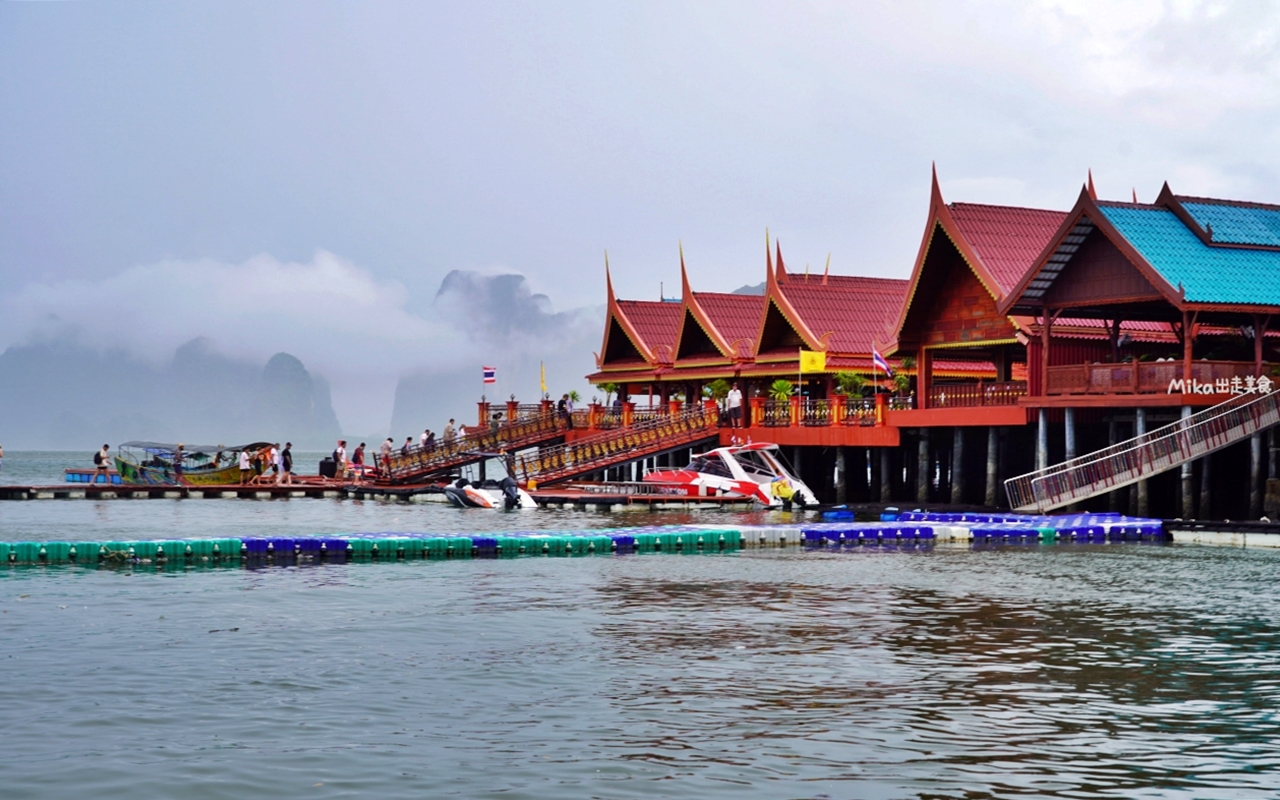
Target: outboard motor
x=510, y=492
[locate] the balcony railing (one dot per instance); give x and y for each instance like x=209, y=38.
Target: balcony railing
x=974, y=395
x=777, y=414
x=1148, y=377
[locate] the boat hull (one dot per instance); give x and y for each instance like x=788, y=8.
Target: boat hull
x=139, y=475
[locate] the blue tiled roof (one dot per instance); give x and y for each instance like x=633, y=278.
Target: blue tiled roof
x=1208, y=274
x=1237, y=224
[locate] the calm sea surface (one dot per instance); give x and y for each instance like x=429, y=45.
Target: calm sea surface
x=1109, y=671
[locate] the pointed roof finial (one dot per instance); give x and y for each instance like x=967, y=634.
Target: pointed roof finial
x=781, y=268
x=608, y=279
x=1093, y=193
x=1135, y=195
x=768, y=255
x=685, y=292
x=826, y=270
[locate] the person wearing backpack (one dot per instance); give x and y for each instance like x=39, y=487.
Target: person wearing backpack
x=102, y=461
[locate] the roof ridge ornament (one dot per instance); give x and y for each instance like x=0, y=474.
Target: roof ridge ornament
x=1093, y=193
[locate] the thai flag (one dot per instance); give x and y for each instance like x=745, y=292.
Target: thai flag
x=490, y=374
x=880, y=363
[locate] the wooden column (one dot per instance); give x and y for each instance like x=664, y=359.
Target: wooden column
x=1188, y=342
x=993, y=444
x=886, y=475
x=1260, y=323
x=1046, y=323
x=957, y=466
x=1139, y=428
x=1188, y=490
x=840, y=475
x=1206, y=483
x=1255, y=475
x=923, y=467
x=924, y=377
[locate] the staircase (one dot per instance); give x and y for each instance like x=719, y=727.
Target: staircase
x=1143, y=456
x=420, y=464
x=562, y=462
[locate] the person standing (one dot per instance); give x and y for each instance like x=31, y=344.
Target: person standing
x=449, y=432
x=177, y=464
x=734, y=399
x=102, y=460
x=357, y=462
x=422, y=440
x=246, y=469
x=276, y=454
x=340, y=460
x=385, y=451
x=286, y=463
x=407, y=446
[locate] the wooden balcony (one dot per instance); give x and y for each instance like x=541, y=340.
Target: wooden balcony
x=1149, y=377
x=976, y=395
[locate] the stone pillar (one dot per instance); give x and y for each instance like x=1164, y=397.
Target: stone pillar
x=923, y=467
x=886, y=475
x=1069, y=432
x=993, y=461
x=1042, y=440
x=1140, y=428
x=1206, y=481
x=1186, y=509
x=840, y=475
x=1255, y=476
x=957, y=466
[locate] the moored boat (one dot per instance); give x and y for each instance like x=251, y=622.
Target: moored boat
x=163, y=464
x=757, y=471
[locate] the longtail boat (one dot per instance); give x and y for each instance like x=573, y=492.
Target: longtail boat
x=162, y=464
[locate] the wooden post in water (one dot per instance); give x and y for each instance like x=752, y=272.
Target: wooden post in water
x=1255, y=476
x=1206, y=481
x=840, y=475
x=993, y=446
x=886, y=475
x=922, y=467
x=1188, y=490
x=1140, y=429
x=957, y=465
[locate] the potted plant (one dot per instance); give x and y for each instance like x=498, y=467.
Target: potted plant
x=850, y=383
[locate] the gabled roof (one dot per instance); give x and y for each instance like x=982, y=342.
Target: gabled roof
x=657, y=323
x=1187, y=264
x=847, y=314
x=735, y=316
x=999, y=243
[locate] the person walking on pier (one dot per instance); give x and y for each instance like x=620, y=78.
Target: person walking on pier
x=357, y=463
x=286, y=463
x=246, y=469
x=102, y=460
x=449, y=432
x=273, y=457
x=340, y=460
x=422, y=440
x=407, y=446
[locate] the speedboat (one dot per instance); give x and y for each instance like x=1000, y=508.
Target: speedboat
x=488, y=484
x=756, y=471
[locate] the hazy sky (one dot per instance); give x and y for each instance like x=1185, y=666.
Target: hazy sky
x=326, y=164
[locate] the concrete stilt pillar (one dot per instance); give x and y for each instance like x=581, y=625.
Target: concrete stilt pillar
x=795, y=461
x=886, y=475
x=1144, y=497
x=1042, y=440
x=993, y=447
x=1206, y=481
x=1069, y=432
x=1113, y=498
x=957, y=466
x=1271, y=454
x=923, y=468
x=840, y=475
x=1188, y=484
x=1255, y=476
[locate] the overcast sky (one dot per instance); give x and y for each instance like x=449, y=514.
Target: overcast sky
x=203, y=158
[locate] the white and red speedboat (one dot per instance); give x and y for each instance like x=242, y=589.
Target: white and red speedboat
x=756, y=471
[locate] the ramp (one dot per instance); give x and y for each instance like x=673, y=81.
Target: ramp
x=1144, y=456
x=419, y=465
x=562, y=462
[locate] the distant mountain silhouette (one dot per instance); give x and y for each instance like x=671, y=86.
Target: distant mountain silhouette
x=59, y=394
x=757, y=289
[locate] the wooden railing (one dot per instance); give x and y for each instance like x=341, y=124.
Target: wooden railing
x=417, y=462
x=1148, y=377
x=972, y=395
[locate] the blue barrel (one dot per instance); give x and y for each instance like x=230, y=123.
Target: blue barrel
x=624, y=544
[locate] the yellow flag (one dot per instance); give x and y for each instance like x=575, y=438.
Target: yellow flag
x=543, y=367
x=813, y=361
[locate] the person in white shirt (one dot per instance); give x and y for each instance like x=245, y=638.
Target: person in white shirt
x=275, y=461
x=245, y=469
x=734, y=399
x=422, y=440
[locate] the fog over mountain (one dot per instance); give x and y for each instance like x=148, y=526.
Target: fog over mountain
x=228, y=353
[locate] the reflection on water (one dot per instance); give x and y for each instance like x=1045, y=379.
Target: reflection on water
x=1067, y=672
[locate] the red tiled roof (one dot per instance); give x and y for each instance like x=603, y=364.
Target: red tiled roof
x=1006, y=238
x=736, y=317
x=656, y=322
x=854, y=310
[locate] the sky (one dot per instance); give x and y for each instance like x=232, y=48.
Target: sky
x=303, y=176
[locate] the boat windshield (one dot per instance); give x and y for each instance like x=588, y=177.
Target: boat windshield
x=755, y=462
x=494, y=469
x=710, y=464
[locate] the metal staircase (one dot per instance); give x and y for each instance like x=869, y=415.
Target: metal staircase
x=1144, y=456
x=562, y=462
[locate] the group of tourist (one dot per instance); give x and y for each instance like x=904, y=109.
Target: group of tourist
x=253, y=467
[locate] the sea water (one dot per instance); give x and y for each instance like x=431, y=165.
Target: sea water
x=1070, y=671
